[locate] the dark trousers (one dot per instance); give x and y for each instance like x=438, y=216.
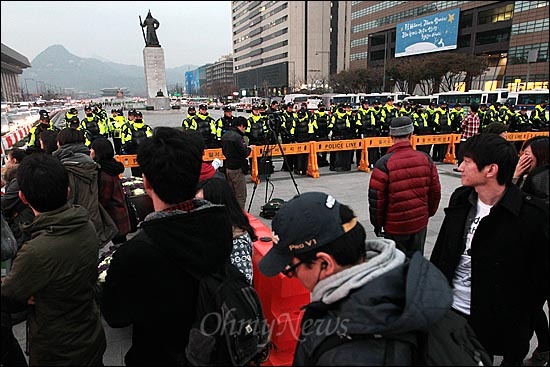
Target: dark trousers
x=374, y=155
x=409, y=243
x=301, y=163
x=343, y=160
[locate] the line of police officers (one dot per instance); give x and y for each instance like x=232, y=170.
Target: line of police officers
x=286, y=124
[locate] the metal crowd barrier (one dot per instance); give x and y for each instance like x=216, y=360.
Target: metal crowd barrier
x=313, y=147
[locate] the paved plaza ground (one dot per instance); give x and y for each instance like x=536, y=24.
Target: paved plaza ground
x=350, y=188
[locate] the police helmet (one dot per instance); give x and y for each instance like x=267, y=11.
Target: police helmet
x=347, y=104
x=73, y=121
x=227, y=109
x=376, y=101
x=256, y=107
x=443, y=102
x=202, y=106
x=87, y=108
x=44, y=115
x=274, y=102
x=289, y=104
x=191, y=109
x=138, y=115
x=132, y=112
x=458, y=105
x=364, y=101
x=398, y=104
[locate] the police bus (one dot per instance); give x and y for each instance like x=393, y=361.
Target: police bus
x=423, y=100
x=528, y=98
x=471, y=96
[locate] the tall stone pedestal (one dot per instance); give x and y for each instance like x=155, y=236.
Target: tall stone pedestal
x=155, y=77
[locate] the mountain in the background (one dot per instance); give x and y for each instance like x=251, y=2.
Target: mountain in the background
x=59, y=68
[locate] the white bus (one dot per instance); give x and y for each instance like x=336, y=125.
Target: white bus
x=528, y=98
x=382, y=97
x=423, y=100
x=471, y=96
x=311, y=100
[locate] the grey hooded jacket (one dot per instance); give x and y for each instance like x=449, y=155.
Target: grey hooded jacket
x=385, y=295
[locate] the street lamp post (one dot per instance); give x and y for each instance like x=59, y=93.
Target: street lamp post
x=27, y=87
x=385, y=54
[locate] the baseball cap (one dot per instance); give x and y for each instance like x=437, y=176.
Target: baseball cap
x=138, y=115
x=304, y=223
x=401, y=126
x=202, y=106
x=73, y=111
x=227, y=108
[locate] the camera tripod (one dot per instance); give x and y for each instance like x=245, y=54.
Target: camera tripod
x=266, y=166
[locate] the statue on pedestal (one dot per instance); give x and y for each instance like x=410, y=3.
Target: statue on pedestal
x=152, y=25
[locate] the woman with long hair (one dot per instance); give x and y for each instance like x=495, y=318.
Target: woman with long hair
x=533, y=176
x=218, y=191
x=111, y=194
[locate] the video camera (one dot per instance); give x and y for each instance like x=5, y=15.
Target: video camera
x=274, y=121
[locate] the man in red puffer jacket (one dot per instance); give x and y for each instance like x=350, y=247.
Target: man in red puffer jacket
x=404, y=191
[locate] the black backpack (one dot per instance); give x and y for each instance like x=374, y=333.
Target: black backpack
x=230, y=327
x=449, y=342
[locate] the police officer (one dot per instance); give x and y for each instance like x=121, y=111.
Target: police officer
x=366, y=127
x=321, y=129
x=225, y=122
x=343, y=127
x=539, y=119
x=421, y=126
x=442, y=125
x=256, y=129
x=189, y=122
x=133, y=134
x=303, y=132
x=43, y=125
x=70, y=114
x=288, y=121
x=206, y=126
x=116, y=124
x=90, y=125
x=456, y=115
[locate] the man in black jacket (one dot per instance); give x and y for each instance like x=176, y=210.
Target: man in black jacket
x=146, y=285
x=493, y=248
x=236, y=151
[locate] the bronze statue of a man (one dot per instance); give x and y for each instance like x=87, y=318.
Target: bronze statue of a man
x=152, y=25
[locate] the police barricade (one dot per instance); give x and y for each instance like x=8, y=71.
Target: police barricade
x=334, y=146
x=518, y=136
x=314, y=147
x=373, y=142
x=274, y=150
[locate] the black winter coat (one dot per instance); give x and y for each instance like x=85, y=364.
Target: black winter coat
x=151, y=291
x=509, y=264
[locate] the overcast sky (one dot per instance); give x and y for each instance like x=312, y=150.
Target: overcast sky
x=190, y=32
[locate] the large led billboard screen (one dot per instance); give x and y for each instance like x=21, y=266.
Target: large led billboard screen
x=436, y=32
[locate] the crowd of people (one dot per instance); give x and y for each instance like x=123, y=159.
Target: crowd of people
x=289, y=123
x=65, y=202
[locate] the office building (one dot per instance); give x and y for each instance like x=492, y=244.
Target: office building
x=280, y=47
x=512, y=34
